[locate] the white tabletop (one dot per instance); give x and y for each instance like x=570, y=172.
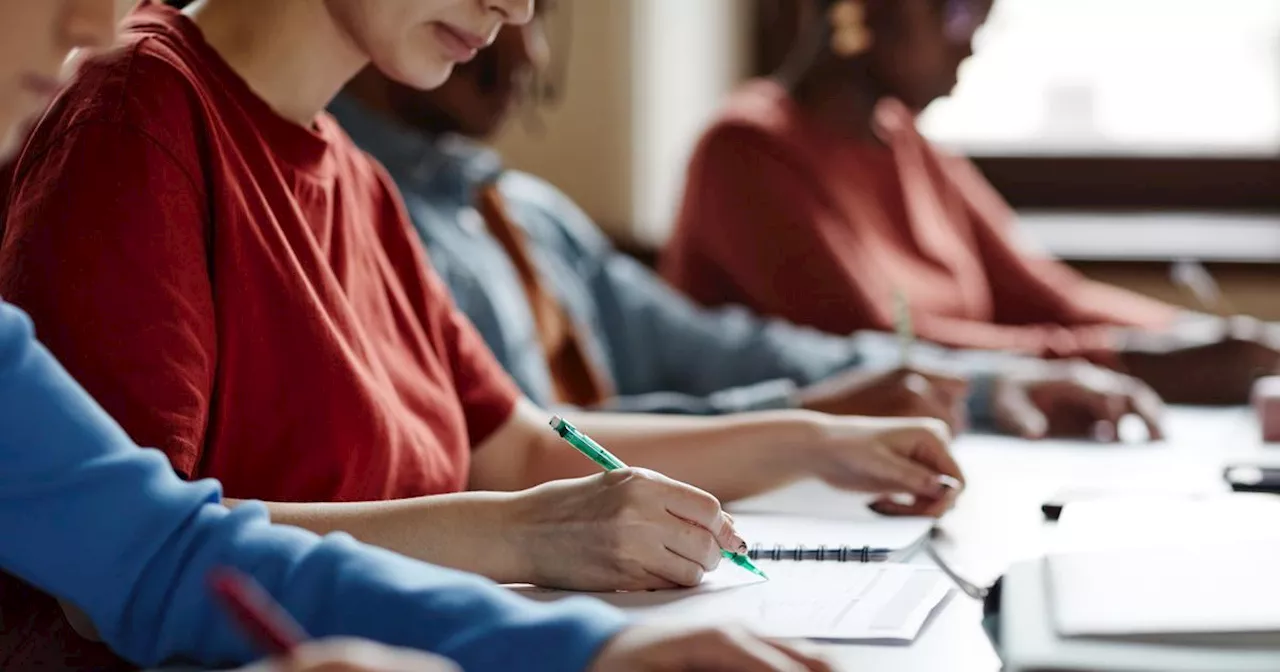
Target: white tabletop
x=998, y=520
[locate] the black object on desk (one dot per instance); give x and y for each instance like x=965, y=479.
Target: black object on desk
x=1253, y=478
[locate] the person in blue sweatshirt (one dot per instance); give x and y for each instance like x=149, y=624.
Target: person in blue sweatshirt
x=108, y=527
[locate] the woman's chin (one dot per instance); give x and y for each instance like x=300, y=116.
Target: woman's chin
x=424, y=78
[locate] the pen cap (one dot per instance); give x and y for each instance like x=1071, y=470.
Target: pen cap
x=258, y=616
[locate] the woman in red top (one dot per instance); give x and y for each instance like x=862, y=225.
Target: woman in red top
x=238, y=285
x=815, y=198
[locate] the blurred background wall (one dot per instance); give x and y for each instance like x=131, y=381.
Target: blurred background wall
x=642, y=79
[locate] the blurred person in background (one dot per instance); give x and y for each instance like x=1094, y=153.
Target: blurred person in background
x=577, y=322
x=815, y=198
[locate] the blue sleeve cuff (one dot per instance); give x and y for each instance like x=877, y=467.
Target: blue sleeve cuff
x=569, y=637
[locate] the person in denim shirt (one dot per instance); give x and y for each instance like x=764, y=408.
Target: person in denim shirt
x=656, y=350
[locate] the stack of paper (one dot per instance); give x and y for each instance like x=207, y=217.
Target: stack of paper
x=1169, y=593
x=1175, y=569
x=1029, y=641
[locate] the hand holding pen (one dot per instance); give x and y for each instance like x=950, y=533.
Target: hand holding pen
x=630, y=529
x=734, y=551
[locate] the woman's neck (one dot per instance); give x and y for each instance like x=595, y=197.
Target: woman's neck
x=838, y=101
x=291, y=54
x=378, y=94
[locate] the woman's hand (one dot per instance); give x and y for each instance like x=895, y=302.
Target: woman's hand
x=630, y=529
x=1207, y=361
x=888, y=456
x=1074, y=399
x=901, y=393
x=349, y=655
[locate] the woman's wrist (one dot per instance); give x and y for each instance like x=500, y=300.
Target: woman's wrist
x=495, y=523
x=792, y=447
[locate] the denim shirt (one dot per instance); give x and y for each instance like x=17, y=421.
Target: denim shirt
x=660, y=351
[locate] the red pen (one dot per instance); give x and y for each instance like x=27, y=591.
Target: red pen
x=264, y=621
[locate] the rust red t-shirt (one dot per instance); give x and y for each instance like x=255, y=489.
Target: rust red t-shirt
x=796, y=221
x=241, y=292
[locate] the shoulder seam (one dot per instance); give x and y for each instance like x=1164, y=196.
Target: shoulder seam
x=27, y=162
x=124, y=87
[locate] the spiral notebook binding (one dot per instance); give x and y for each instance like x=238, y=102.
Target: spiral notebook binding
x=819, y=554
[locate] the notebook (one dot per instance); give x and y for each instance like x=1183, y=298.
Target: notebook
x=879, y=602
x=1030, y=643
x=1201, y=594
x=845, y=601
x=1169, y=569
x=811, y=499
x=791, y=538
x=811, y=520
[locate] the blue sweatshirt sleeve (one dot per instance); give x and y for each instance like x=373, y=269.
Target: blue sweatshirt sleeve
x=89, y=517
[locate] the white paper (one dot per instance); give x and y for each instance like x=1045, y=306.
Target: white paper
x=881, y=602
x=810, y=498
x=1029, y=640
x=1227, y=589
x=1145, y=521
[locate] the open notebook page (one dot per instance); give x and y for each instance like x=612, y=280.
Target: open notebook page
x=878, y=602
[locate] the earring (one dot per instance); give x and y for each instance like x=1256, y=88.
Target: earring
x=849, y=33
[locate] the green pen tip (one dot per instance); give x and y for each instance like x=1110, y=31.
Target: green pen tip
x=745, y=563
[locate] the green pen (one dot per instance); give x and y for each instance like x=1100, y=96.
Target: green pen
x=587, y=446
x=902, y=325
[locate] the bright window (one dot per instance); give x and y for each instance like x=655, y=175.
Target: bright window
x=1119, y=77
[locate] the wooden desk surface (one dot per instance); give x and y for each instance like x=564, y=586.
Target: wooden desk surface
x=998, y=520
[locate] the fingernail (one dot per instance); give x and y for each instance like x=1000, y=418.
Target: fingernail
x=949, y=482
x=739, y=544
x=933, y=490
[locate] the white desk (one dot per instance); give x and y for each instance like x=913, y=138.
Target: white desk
x=998, y=520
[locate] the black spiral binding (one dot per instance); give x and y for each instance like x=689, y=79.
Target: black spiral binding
x=820, y=554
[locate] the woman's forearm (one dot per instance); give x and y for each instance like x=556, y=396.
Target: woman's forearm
x=465, y=531
x=731, y=457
